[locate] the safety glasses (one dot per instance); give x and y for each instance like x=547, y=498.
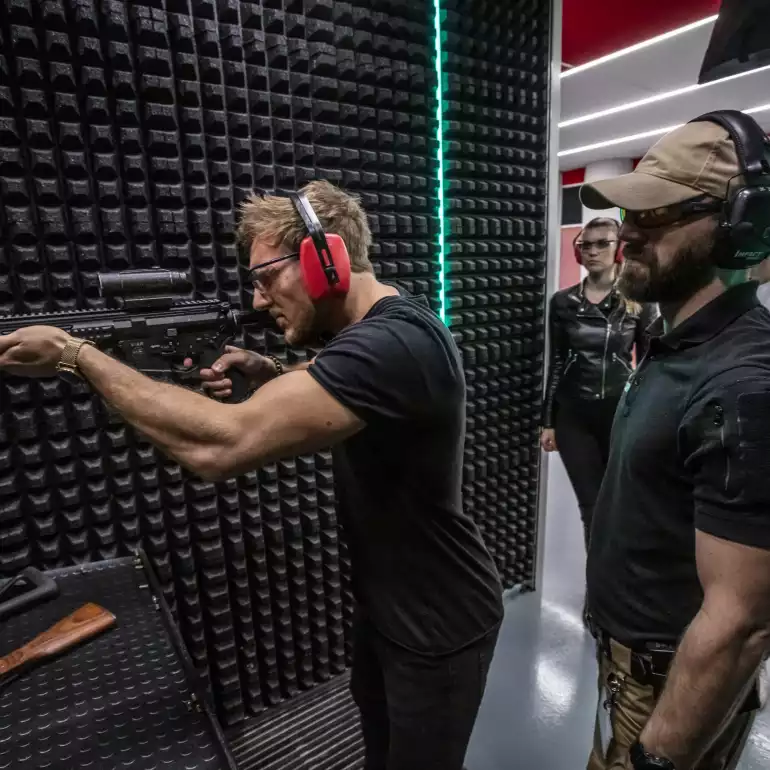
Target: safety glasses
x=586, y=246
x=260, y=277
x=666, y=216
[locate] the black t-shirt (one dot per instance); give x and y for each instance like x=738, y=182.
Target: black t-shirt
x=690, y=450
x=421, y=572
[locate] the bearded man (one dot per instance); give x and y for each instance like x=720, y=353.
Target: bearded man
x=679, y=562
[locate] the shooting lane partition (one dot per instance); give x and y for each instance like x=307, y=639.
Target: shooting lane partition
x=495, y=106
x=129, y=134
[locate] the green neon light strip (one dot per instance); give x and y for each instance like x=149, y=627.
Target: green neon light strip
x=440, y=154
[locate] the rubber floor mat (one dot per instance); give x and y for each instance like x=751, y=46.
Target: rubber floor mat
x=120, y=701
x=318, y=730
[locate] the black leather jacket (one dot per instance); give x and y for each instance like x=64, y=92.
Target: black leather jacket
x=592, y=346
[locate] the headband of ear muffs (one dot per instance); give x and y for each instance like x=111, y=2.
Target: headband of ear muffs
x=323, y=257
x=745, y=223
x=579, y=256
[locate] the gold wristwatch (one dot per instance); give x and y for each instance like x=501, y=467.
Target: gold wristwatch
x=68, y=363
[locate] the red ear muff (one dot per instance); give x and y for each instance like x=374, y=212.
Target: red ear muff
x=325, y=281
x=619, y=253
x=578, y=255
x=323, y=258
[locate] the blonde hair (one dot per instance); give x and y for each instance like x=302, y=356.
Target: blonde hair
x=613, y=224
x=276, y=221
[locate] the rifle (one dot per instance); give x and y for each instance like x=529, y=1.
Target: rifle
x=35, y=586
x=151, y=330
x=83, y=624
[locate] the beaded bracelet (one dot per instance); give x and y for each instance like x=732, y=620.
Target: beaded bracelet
x=278, y=364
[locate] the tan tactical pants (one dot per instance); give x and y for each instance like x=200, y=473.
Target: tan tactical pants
x=633, y=706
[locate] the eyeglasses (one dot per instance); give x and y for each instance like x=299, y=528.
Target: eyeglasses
x=261, y=280
x=586, y=246
x=664, y=216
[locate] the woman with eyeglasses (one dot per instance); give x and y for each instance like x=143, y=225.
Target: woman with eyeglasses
x=594, y=333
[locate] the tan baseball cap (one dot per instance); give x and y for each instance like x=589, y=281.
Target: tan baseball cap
x=692, y=160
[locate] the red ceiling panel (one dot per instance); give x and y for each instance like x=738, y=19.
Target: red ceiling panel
x=575, y=176
x=593, y=28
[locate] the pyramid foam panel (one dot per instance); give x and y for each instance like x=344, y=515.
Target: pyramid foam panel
x=495, y=137
x=129, y=135
x=130, y=132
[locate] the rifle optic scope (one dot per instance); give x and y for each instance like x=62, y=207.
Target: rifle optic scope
x=147, y=281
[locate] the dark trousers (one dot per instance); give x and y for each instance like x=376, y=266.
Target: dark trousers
x=583, y=439
x=417, y=712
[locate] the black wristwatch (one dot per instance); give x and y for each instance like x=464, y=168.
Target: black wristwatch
x=641, y=760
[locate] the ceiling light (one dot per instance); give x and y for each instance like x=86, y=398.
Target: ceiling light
x=655, y=98
x=639, y=46
x=618, y=140
x=643, y=135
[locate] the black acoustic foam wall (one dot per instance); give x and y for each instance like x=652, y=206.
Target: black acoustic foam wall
x=495, y=136
x=129, y=134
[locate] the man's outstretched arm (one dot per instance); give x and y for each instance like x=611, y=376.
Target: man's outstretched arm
x=718, y=655
x=287, y=416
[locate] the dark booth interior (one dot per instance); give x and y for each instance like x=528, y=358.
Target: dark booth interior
x=130, y=132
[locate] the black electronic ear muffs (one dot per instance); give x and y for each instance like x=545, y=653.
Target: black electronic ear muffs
x=745, y=225
x=323, y=257
x=579, y=256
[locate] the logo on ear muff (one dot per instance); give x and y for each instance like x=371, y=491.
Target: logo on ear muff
x=323, y=257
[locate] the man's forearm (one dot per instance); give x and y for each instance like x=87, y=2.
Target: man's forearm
x=183, y=424
x=713, y=665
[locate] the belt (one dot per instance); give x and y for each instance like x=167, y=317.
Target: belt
x=649, y=662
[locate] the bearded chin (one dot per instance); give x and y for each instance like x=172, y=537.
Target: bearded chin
x=635, y=282
x=309, y=330
x=689, y=272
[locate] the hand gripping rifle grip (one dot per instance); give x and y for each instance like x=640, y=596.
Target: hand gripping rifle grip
x=240, y=389
x=88, y=621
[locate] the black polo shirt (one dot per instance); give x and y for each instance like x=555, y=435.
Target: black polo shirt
x=690, y=450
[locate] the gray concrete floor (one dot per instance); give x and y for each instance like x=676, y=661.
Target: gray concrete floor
x=540, y=703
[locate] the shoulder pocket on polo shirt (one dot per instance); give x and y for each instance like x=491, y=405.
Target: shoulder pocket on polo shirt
x=715, y=446
x=753, y=412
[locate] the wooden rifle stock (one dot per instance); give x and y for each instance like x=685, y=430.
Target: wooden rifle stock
x=81, y=625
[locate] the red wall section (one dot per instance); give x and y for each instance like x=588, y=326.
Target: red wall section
x=575, y=176
x=593, y=28
x=569, y=270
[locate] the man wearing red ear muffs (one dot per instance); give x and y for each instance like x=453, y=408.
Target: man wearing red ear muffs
x=388, y=393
